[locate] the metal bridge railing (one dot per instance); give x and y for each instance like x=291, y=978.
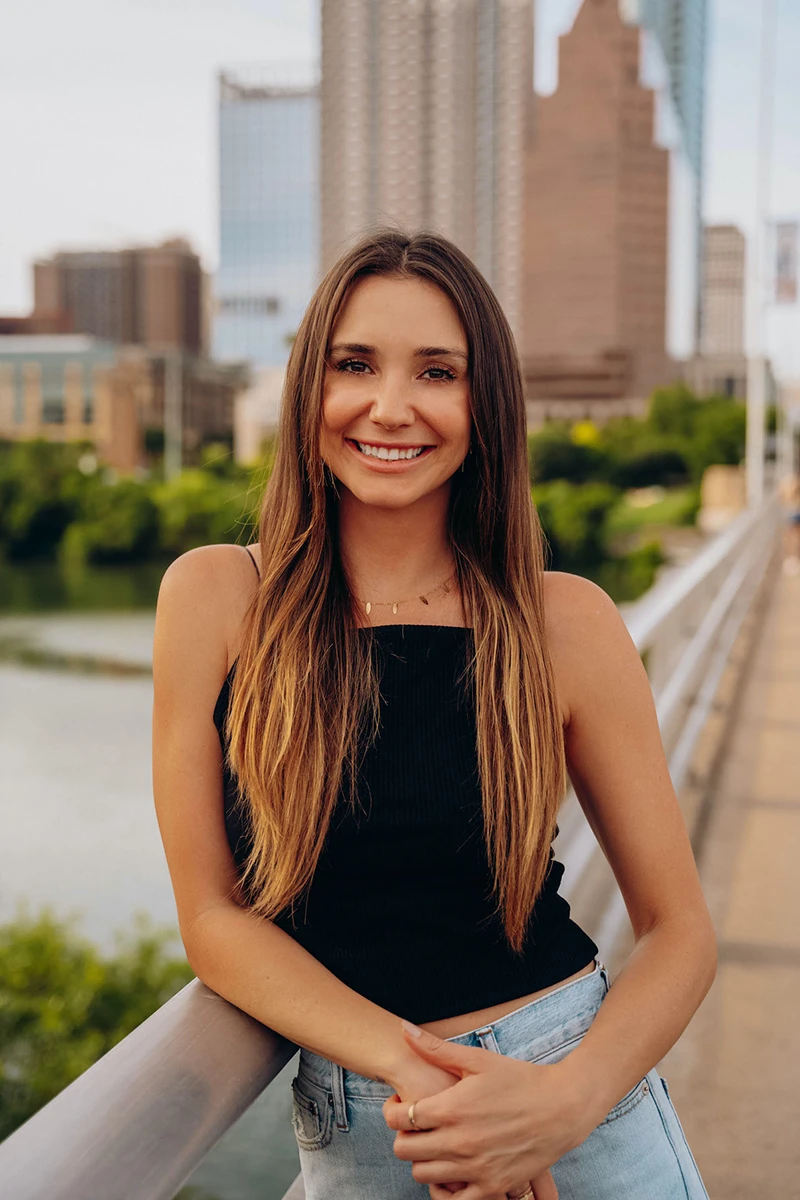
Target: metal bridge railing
x=137, y=1123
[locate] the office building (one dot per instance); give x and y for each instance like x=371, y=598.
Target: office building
x=268, y=212
x=74, y=387
x=611, y=247
x=150, y=295
x=425, y=116
x=724, y=250
x=720, y=368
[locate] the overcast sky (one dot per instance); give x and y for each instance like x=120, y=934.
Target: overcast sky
x=108, y=120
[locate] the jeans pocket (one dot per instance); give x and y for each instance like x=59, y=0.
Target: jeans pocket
x=629, y=1101
x=312, y=1114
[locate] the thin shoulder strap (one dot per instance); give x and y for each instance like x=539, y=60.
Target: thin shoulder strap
x=253, y=561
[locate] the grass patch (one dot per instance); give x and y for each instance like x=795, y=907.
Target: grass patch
x=678, y=506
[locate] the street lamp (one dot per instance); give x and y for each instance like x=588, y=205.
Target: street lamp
x=757, y=284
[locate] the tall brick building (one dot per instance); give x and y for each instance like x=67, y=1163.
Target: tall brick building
x=149, y=295
x=597, y=224
x=425, y=112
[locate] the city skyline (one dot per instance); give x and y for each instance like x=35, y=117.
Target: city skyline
x=138, y=82
x=268, y=219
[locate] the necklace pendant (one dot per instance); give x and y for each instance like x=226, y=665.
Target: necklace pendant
x=394, y=607
x=368, y=607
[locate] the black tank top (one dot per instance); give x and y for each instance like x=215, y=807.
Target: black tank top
x=400, y=906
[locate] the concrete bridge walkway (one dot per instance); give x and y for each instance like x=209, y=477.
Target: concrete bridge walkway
x=735, y=1075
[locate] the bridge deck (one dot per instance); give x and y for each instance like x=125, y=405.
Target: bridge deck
x=734, y=1074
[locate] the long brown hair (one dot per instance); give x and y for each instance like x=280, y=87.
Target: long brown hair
x=305, y=698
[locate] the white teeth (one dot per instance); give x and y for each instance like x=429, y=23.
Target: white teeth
x=383, y=452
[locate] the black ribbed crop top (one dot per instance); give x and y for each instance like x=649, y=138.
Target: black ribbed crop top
x=400, y=906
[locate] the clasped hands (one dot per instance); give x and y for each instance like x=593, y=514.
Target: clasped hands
x=494, y=1124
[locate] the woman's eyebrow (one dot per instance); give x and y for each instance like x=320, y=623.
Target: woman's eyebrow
x=423, y=352
x=353, y=348
x=439, y=352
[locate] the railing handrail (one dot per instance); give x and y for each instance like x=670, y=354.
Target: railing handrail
x=647, y=615
x=137, y=1123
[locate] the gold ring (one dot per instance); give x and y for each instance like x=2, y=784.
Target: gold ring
x=526, y=1195
x=411, y=1115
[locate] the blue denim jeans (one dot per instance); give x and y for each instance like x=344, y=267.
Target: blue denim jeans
x=639, y=1152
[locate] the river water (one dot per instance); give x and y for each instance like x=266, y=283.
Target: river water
x=78, y=830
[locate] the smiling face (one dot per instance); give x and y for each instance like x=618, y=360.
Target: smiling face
x=395, y=412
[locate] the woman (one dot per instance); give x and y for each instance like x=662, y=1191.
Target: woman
x=362, y=833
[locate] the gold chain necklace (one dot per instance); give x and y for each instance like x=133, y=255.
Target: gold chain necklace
x=370, y=604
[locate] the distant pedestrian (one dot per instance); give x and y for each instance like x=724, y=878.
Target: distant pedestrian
x=399, y=688
x=790, y=495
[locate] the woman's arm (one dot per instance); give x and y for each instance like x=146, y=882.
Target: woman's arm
x=619, y=771
x=507, y=1120
x=247, y=960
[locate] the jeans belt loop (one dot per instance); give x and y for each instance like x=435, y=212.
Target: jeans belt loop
x=487, y=1039
x=339, y=1102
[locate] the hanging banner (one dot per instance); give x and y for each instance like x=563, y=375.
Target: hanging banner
x=786, y=262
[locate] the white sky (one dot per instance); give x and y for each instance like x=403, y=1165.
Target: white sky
x=108, y=120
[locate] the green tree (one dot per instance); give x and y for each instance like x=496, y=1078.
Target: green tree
x=197, y=509
x=63, y=1005
x=719, y=434
x=574, y=518
x=554, y=454
x=41, y=492
x=119, y=523
x=651, y=465
x=673, y=411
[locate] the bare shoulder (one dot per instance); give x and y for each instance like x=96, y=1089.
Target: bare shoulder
x=577, y=612
x=586, y=637
x=203, y=598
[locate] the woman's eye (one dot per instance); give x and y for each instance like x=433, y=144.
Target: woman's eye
x=440, y=373
x=358, y=367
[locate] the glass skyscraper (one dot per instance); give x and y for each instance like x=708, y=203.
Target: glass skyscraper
x=680, y=26
x=679, y=30
x=268, y=214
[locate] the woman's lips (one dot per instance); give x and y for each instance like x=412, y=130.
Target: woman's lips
x=385, y=464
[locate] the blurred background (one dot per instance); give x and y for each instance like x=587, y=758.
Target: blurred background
x=626, y=173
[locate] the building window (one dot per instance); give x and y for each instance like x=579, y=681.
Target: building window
x=53, y=412
x=250, y=306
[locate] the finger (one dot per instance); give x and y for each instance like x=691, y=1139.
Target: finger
x=451, y=1056
x=544, y=1187
x=397, y=1115
x=392, y=1111
x=423, y=1146
x=440, y=1172
x=472, y=1191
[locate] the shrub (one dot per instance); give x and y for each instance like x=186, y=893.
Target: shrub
x=663, y=466
x=197, y=509
x=41, y=489
x=119, y=524
x=630, y=575
x=574, y=521
x=63, y=1005
x=553, y=454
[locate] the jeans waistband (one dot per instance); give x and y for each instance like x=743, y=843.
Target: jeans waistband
x=532, y=1031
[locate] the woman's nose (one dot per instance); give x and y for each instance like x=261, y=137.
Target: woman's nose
x=391, y=404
